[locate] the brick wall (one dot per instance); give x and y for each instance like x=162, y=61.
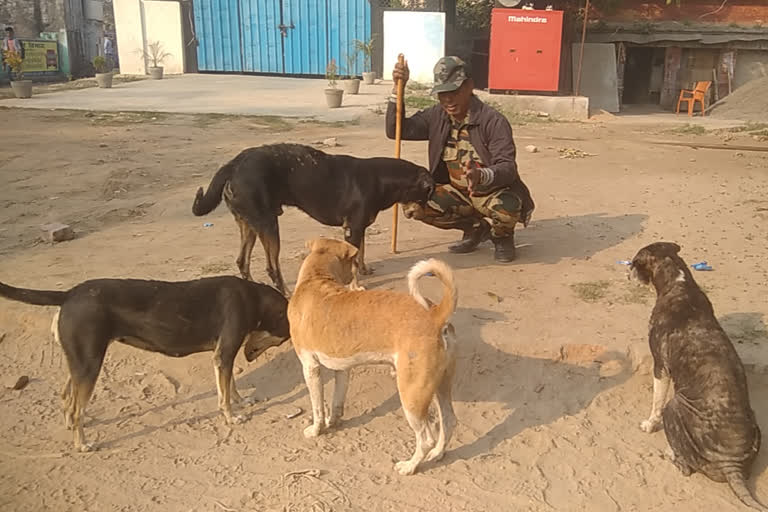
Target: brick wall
x=30, y=17
x=746, y=12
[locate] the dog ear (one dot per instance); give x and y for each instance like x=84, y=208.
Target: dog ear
x=642, y=264
x=316, y=245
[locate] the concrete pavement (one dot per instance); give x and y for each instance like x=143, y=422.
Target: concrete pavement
x=220, y=94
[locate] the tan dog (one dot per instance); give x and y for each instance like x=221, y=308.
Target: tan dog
x=338, y=328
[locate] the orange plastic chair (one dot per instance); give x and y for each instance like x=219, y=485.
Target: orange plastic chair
x=699, y=93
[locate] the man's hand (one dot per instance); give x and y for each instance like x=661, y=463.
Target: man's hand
x=472, y=175
x=400, y=72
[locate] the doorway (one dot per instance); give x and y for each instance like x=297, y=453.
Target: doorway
x=643, y=75
x=637, y=75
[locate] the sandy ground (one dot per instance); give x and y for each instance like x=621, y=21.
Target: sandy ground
x=552, y=378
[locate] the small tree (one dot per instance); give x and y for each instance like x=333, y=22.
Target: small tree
x=332, y=73
x=351, y=58
x=154, y=53
x=366, y=48
x=14, y=60
x=102, y=64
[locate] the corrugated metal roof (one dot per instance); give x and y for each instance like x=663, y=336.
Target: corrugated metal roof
x=654, y=32
x=638, y=38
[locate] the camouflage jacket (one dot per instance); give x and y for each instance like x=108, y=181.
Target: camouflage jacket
x=489, y=133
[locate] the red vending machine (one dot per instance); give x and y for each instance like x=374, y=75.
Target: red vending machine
x=525, y=50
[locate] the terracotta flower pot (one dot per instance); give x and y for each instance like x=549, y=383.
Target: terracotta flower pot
x=156, y=72
x=369, y=77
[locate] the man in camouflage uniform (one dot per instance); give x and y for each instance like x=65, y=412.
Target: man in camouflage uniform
x=472, y=156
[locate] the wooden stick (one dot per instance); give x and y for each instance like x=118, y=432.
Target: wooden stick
x=577, y=88
x=398, y=135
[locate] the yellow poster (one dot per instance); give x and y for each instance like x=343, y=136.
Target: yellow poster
x=40, y=56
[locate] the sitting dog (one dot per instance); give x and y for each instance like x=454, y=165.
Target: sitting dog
x=336, y=328
x=709, y=423
x=173, y=318
x=335, y=190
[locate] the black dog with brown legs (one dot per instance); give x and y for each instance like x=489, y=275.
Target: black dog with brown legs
x=335, y=190
x=177, y=319
x=708, y=422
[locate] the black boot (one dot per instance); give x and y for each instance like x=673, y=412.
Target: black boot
x=505, y=249
x=472, y=238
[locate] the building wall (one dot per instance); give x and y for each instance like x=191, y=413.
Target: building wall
x=129, y=29
x=30, y=17
x=747, y=12
x=162, y=22
x=142, y=22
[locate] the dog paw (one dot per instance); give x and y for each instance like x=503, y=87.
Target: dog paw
x=434, y=454
x=669, y=454
x=236, y=419
x=312, y=431
x=649, y=425
x=242, y=401
x=356, y=288
x=331, y=422
x=405, y=467
x=250, y=400
x=86, y=447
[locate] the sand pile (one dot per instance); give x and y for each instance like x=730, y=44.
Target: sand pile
x=747, y=103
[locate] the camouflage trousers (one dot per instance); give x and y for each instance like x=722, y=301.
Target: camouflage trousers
x=451, y=208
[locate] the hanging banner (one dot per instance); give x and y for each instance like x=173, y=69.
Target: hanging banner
x=41, y=56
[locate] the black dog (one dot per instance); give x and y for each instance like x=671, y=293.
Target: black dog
x=709, y=423
x=336, y=190
x=173, y=318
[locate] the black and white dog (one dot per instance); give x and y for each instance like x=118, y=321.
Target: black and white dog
x=708, y=422
x=335, y=190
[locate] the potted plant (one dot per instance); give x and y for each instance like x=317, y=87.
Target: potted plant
x=156, y=55
x=103, y=68
x=333, y=95
x=351, y=84
x=366, y=48
x=21, y=88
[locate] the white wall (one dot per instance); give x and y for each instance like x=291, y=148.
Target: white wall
x=162, y=22
x=419, y=36
x=141, y=22
x=129, y=29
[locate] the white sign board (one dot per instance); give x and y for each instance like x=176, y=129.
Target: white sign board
x=420, y=36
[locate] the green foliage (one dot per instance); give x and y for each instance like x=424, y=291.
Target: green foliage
x=366, y=48
x=102, y=64
x=332, y=73
x=473, y=15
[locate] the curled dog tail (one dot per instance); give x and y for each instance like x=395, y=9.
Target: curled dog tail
x=35, y=297
x=443, y=311
x=208, y=201
x=739, y=487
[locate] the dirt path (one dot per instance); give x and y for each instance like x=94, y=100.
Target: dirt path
x=547, y=396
